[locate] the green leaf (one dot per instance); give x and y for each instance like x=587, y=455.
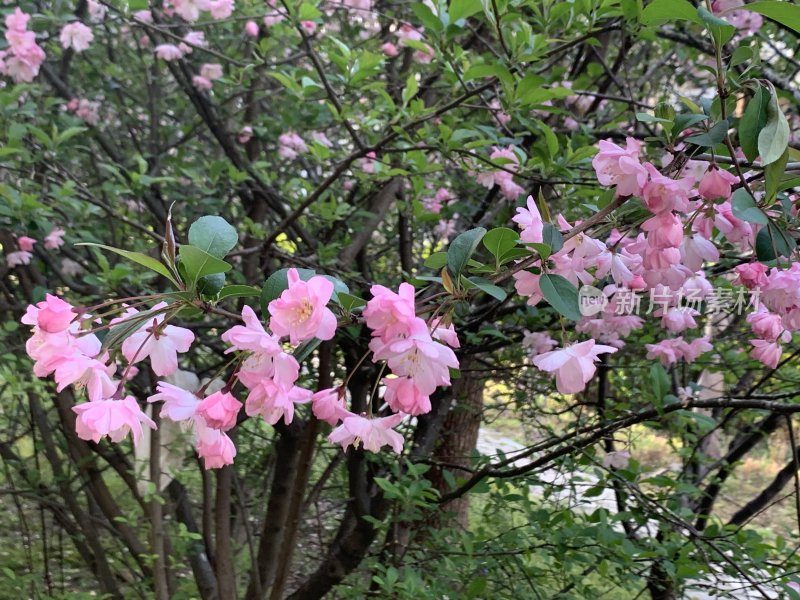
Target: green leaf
x=487, y=286
x=411, y=88
x=279, y=281
x=137, y=257
x=213, y=235
x=552, y=237
x=461, y=250
x=130, y=325
x=198, y=263
x=773, y=175
x=500, y=240
x=561, y=295
x=238, y=291
x=712, y=137
x=784, y=13
x=771, y=240
x=304, y=350
x=720, y=30
x=350, y=302
x=661, y=11
x=461, y=9
x=744, y=207
x=774, y=137
x=752, y=122
x=437, y=260
x=660, y=381
x=211, y=285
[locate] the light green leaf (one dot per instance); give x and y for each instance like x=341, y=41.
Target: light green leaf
x=197, y=263
x=662, y=11
x=137, y=257
x=784, y=13
x=500, y=240
x=461, y=9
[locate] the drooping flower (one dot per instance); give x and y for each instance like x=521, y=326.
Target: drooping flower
x=573, y=365
x=328, y=405
x=716, y=183
x=372, y=434
x=112, y=418
x=26, y=243
x=168, y=52
x=301, y=312
x=402, y=395
x=82, y=371
x=161, y=343
x=661, y=193
x=389, y=314
x=220, y=410
x=213, y=445
x=752, y=275
x=51, y=314
x=766, y=352
x=179, y=404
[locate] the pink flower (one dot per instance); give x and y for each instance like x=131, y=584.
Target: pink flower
x=768, y=353
x=220, y=9
x=83, y=371
x=573, y=365
x=211, y=71
x=290, y=145
x=328, y=405
x=766, y=325
x=76, y=35
x=168, y=52
x=752, y=275
x=18, y=258
x=196, y=39
x=201, y=83
x=274, y=401
x=26, y=243
x=537, y=342
x=53, y=239
x=617, y=460
x=716, y=183
x=179, y=404
x=97, y=11
x=444, y=333
x=189, y=10
x=417, y=356
x=245, y=134
x=159, y=342
x=373, y=434
x=143, y=16
x=301, y=311
x=112, y=418
x=51, y=314
x=403, y=396
x=17, y=21
x=389, y=315
x=664, y=230
x=213, y=446
x=251, y=29
x=667, y=351
x=620, y=167
x=530, y=220
x=692, y=350
x=310, y=27
x=695, y=250
x=527, y=285
x=390, y=50
x=219, y=410
x=662, y=194
x=251, y=336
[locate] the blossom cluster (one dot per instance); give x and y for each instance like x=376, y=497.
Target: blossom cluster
x=63, y=344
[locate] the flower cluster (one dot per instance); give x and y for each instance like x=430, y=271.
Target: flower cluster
x=22, y=59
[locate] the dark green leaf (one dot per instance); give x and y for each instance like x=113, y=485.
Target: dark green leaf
x=752, y=122
x=350, y=302
x=771, y=240
x=712, y=137
x=213, y=235
x=437, y=260
x=552, y=237
x=774, y=137
x=720, y=30
x=744, y=207
x=500, y=240
x=211, y=285
x=660, y=381
x=490, y=288
x=198, y=263
x=461, y=250
x=773, y=175
x=561, y=295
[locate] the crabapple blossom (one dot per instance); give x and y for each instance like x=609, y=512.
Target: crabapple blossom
x=53, y=240
x=716, y=183
x=160, y=342
x=301, y=312
x=328, y=405
x=620, y=167
x=370, y=433
x=530, y=221
x=179, y=404
x=112, y=418
x=219, y=410
x=573, y=365
x=76, y=35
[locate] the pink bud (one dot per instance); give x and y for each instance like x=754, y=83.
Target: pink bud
x=251, y=29
x=716, y=183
